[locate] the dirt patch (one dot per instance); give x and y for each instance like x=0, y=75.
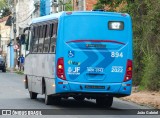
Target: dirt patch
x=145, y=98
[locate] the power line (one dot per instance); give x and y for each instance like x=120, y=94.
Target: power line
x=26, y=13
x=28, y=16
x=25, y=19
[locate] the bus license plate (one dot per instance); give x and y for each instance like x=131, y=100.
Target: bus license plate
x=94, y=87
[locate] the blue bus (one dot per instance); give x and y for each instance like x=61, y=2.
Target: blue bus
x=84, y=55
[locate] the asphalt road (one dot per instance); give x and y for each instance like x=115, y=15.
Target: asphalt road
x=14, y=96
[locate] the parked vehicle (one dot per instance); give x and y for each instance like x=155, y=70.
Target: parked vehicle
x=2, y=64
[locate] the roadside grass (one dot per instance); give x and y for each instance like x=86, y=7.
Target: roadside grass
x=19, y=72
x=141, y=88
x=15, y=71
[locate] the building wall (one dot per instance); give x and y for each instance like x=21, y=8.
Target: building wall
x=5, y=35
x=81, y=5
x=36, y=12
x=90, y=4
x=24, y=15
x=24, y=10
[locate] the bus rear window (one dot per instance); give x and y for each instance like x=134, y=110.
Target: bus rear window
x=95, y=28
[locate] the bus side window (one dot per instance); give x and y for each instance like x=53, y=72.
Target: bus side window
x=46, y=40
x=53, y=37
x=27, y=40
x=31, y=38
x=41, y=39
x=35, y=40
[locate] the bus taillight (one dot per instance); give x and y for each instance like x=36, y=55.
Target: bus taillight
x=60, y=69
x=68, y=13
x=128, y=75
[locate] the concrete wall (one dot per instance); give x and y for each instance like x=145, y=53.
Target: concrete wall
x=24, y=16
x=82, y=5
x=5, y=35
x=90, y=4
x=24, y=10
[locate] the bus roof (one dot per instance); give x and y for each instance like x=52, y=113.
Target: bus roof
x=48, y=17
x=61, y=14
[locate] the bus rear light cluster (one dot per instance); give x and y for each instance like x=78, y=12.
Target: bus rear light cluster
x=124, y=15
x=128, y=75
x=68, y=13
x=60, y=69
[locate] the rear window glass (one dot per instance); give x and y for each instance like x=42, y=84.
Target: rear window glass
x=94, y=28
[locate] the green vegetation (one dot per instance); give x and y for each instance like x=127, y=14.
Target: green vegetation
x=68, y=6
x=112, y=4
x=4, y=9
x=20, y=72
x=3, y=4
x=146, y=36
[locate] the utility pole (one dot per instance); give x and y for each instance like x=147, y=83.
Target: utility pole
x=14, y=31
x=14, y=25
x=11, y=50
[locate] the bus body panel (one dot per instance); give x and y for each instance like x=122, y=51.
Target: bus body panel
x=87, y=48
x=123, y=88
x=41, y=65
x=37, y=67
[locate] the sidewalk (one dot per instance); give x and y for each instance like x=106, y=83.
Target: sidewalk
x=147, y=98
x=11, y=70
x=15, y=71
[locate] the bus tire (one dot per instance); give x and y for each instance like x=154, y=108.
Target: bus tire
x=79, y=98
x=56, y=100
x=26, y=83
x=33, y=95
x=48, y=99
x=104, y=102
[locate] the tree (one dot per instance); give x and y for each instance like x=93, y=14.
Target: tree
x=146, y=36
x=3, y=3
x=4, y=9
x=112, y=4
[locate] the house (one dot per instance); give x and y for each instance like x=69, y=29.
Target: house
x=4, y=36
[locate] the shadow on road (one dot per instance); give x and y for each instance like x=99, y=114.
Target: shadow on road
x=73, y=107
x=73, y=104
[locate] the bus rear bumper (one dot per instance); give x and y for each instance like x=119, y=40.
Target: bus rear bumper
x=110, y=89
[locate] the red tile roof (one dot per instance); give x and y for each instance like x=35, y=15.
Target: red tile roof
x=4, y=19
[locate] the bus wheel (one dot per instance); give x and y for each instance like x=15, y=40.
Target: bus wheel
x=79, y=98
x=104, y=101
x=33, y=95
x=56, y=100
x=48, y=99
